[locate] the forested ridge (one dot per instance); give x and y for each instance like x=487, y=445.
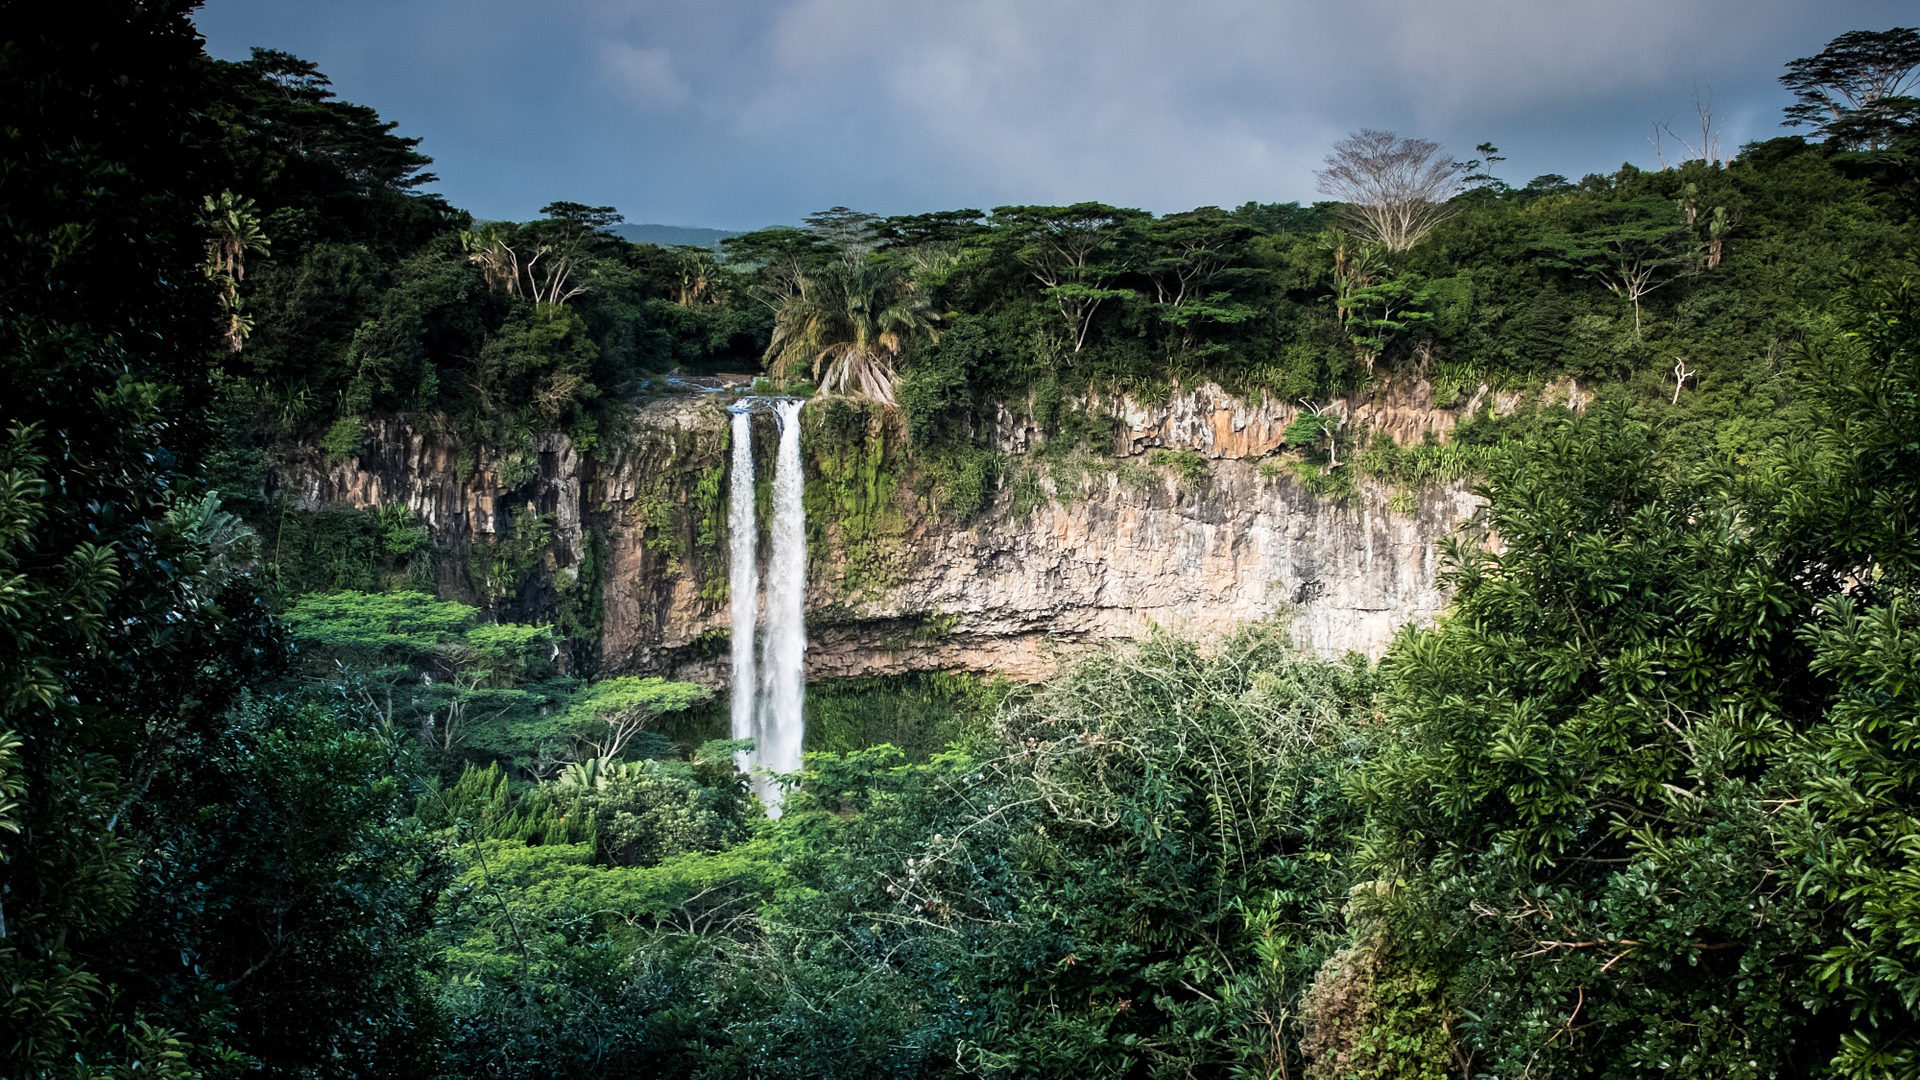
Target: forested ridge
x=1645, y=800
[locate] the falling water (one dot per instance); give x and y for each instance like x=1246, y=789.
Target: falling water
x=768, y=696
x=743, y=575
x=783, y=658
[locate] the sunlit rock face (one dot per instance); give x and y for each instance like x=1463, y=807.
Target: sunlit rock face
x=1090, y=554
x=1201, y=557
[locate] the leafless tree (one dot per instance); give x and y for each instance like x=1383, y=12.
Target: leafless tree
x=1681, y=373
x=1707, y=150
x=1395, y=190
x=1632, y=276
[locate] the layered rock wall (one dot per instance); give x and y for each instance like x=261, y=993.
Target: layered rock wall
x=1096, y=549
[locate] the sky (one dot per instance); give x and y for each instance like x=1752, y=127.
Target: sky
x=738, y=114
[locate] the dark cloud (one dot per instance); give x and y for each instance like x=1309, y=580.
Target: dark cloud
x=744, y=113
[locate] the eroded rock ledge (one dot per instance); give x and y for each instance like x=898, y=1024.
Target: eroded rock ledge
x=1105, y=553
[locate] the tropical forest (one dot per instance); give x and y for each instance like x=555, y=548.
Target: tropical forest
x=1456, y=625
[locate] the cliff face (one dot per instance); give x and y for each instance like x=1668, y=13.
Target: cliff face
x=1070, y=552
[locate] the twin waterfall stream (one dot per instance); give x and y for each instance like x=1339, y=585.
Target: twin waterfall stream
x=769, y=689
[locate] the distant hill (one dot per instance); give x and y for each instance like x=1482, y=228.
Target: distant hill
x=672, y=235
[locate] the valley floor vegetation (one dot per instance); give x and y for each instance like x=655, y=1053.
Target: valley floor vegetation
x=278, y=800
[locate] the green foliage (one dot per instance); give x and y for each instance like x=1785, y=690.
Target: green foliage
x=503, y=565
x=1847, y=498
x=1642, y=802
x=128, y=625
x=401, y=625
x=1370, y=1015
x=1429, y=462
x=344, y=438
x=1110, y=858
x=845, y=324
x=921, y=714
x=579, y=612
x=332, y=549
x=960, y=482
x=1189, y=465
x=1602, y=695
x=852, y=501
x=284, y=900
x=431, y=666
x=539, y=363
x=608, y=714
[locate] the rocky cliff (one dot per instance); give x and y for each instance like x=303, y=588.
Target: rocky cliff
x=1071, y=550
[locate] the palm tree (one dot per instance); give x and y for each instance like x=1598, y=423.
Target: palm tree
x=847, y=325
x=234, y=227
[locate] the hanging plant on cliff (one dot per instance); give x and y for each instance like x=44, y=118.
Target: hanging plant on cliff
x=847, y=326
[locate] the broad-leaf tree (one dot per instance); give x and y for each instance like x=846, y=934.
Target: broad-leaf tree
x=1859, y=88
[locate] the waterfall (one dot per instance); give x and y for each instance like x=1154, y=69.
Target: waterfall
x=784, y=655
x=743, y=576
x=768, y=697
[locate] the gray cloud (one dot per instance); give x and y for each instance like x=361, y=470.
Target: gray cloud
x=744, y=113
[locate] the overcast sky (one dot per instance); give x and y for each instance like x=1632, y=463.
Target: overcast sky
x=743, y=113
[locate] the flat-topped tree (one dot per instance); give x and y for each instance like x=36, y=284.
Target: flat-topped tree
x=1631, y=247
x=774, y=260
x=1191, y=260
x=851, y=232
x=940, y=227
x=1074, y=252
x=1858, y=90
x=604, y=718
x=415, y=658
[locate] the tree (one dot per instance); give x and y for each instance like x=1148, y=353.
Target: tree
x=127, y=623
x=415, y=660
x=1628, y=246
x=1189, y=258
x=1575, y=825
x=1849, y=90
x=850, y=232
x=1395, y=190
x=547, y=261
x=1372, y=303
x=331, y=171
x=847, y=324
x=698, y=277
x=287, y=893
x=1477, y=174
x=1075, y=253
x=235, y=225
x=942, y=227
x=1313, y=423
x=1842, y=507
x=777, y=259
x=539, y=364
x=606, y=716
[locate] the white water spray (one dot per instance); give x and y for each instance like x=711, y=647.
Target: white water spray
x=784, y=656
x=769, y=697
x=743, y=576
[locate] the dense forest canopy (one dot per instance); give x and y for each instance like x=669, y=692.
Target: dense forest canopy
x=1645, y=800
